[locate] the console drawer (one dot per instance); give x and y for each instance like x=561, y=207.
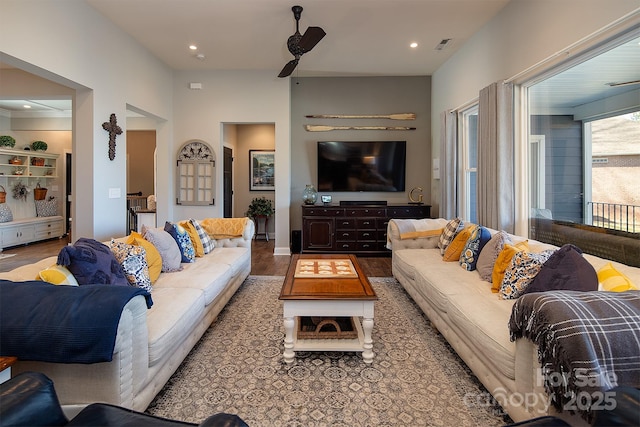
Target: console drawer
x=345, y=235
x=345, y=224
x=367, y=235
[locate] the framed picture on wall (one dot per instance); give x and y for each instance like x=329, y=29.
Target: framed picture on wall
x=262, y=170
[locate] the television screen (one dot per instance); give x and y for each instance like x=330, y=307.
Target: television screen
x=361, y=166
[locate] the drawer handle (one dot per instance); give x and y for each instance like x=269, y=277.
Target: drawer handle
x=345, y=246
x=365, y=246
x=345, y=223
x=345, y=234
x=366, y=223
x=365, y=234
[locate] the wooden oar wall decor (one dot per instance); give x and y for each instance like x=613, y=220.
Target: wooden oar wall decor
x=398, y=116
x=325, y=128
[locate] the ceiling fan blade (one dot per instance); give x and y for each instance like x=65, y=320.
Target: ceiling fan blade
x=310, y=38
x=288, y=68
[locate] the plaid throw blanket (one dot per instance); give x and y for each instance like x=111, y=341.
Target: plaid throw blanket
x=588, y=343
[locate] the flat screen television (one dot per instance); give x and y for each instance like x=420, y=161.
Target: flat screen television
x=361, y=165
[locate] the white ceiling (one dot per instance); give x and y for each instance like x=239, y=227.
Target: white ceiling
x=364, y=37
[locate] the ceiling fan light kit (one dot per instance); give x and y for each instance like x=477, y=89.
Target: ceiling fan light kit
x=299, y=44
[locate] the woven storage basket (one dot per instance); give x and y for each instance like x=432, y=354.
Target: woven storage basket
x=39, y=193
x=3, y=194
x=329, y=327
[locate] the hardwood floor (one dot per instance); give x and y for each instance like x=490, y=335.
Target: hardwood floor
x=263, y=262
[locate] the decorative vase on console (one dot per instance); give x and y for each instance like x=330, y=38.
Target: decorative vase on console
x=310, y=195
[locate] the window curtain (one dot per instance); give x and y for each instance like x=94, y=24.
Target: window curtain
x=496, y=188
x=448, y=164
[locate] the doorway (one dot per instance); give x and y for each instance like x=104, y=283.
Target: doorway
x=68, y=196
x=141, y=167
x=227, y=182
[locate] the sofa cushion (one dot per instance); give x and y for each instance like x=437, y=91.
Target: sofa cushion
x=489, y=254
x=521, y=272
x=476, y=241
x=613, y=280
x=453, y=251
x=449, y=233
x=92, y=263
x=206, y=274
x=483, y=320
x=503, y=261
x=175, y=313
x=237, y=258
x=439, y=281
x=565, y=269
x=166, y=246
x=180, y=235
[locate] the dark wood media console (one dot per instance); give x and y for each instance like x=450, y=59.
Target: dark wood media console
x=359, y=229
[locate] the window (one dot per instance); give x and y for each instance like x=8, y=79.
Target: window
x=584, y=140
x=468, y=122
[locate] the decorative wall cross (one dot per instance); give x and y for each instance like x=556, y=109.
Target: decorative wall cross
x=112, y=127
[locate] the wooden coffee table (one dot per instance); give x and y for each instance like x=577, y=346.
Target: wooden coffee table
x=327, y=286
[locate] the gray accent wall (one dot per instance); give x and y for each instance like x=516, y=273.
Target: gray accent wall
x=564, y=158
x=359, y=96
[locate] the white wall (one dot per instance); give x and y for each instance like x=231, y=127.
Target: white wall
x=232, y=97
x=524, y=33
x=70, y=43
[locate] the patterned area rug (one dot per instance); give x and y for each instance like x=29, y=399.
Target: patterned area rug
x=237, y=367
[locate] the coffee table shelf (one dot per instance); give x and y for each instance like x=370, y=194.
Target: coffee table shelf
x=329, y=344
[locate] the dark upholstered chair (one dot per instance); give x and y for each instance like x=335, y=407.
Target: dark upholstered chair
x=626, y=412
x=29, y=399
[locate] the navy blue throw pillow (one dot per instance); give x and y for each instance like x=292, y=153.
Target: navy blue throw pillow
x=92, y=263
x=566, y=269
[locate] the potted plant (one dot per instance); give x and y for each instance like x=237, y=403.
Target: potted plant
x=7, y=141
x=260, y=206
x=39, y=145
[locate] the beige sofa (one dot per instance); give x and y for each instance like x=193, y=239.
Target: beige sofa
x=150, y=343
x=475, y=321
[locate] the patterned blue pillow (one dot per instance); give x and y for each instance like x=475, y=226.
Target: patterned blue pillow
x=133, y=260
x=207, y=243
x=183, y=240
x=476, y=241
x=522, y=270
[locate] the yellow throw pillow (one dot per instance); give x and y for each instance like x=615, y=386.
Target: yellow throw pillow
x=193, y=235
x=503, y=261
x=613, y=280
x=453, y=251
x=58, y=275
x=154, y=260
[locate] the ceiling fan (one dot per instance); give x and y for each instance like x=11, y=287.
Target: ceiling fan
x=300, y=44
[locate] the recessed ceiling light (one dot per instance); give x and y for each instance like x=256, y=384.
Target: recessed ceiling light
x=193, y=47
x=413, y=45
x=27, y=106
